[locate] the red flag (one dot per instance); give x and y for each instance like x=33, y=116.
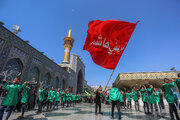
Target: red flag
x=106, y=41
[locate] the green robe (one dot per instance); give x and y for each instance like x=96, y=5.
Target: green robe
x=105, y=97
x=114, y=94
x=78, y=97
x=170, y=97
x=12, y=96
x=135, y=95
x=58, y=96
x=151, y=98
x=64, y=96
x=121, y=98
x=128, y=97
x=157, y=98
x=178, y=83
x=51, y=95
x=143, y=94
x=41, y=95
x=73, y=97
x=68, y=97
x=25, y=95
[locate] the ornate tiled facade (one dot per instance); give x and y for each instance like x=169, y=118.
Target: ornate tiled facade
x=128, y=80
x=31, y=65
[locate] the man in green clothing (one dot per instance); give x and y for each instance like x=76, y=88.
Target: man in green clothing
x=11, y=98
x=63, y=96
x=50, y=99
x=68, y=97
x=57, y=98
x=106, y=98
x=143, y=91
x=121, y=98
x=152, y=100
x=178, y=81
x=129, y=99
x=73, y=99
x=24, y=99
x=78, y=98
x=170, y=97
x=41, y=99
x=114, y=96
x=157, y=98
x=135, y=98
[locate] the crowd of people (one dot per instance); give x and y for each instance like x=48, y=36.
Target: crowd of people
x=17, y=96
x=152, y=98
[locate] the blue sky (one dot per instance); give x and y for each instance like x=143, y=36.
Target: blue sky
x=154, y=45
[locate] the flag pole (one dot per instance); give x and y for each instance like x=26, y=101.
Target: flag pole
x=109, y=80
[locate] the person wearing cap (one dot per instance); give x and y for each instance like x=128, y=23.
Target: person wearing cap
x=10, y=100
x=24, y=99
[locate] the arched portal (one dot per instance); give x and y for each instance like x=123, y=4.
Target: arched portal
x=55, y=83
x=47, y=80
x=34, y=75
x=13, y=68
x=80, y=82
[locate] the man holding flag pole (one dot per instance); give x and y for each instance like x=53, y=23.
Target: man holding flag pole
x=106, y=41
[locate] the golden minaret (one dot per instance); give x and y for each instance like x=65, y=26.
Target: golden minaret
x=68, y=44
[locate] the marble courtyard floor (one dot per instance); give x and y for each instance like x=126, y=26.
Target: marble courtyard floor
x=85, y=111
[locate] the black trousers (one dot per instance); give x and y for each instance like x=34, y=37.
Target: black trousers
x=23, y=108
x=137, y=105
x=146, y=107
x=122, y=104
x=155, y=106
x=49, y=104
x=40, y=105
x=117, y=104
x=172, y=109
x=98, y=105
x=129, y=105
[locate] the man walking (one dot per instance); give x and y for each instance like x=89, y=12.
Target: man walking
x=114, y=96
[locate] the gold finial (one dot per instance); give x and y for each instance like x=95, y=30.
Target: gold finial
x=69, y=34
